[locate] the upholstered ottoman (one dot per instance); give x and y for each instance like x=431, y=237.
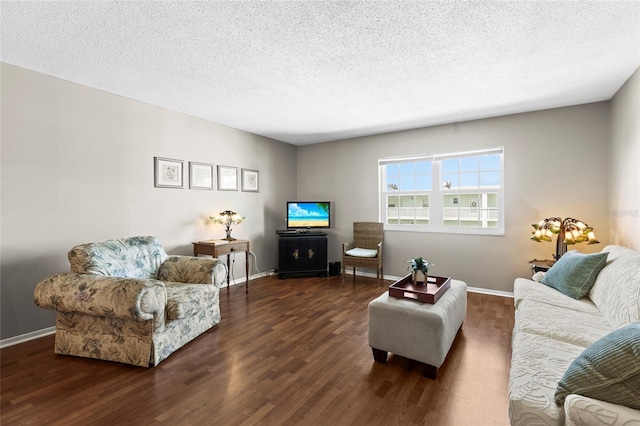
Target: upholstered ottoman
x=419, y=331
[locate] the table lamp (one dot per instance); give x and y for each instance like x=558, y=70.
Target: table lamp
x=227, y=218
x=569, y=231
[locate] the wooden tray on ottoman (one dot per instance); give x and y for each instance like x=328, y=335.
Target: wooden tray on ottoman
x=425, y=293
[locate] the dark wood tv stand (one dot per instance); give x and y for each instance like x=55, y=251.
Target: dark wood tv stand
x=302, y=253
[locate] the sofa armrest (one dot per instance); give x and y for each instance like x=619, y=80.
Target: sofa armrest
x=583, y=411
x=131, y=298
x=193, y=270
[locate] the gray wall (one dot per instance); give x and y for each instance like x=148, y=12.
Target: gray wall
x=538, y=183
x=77, y=166
x=624, y=161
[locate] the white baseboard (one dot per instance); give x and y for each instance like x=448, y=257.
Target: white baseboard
x=26, y=337
x=242, y=281
x=491, y=292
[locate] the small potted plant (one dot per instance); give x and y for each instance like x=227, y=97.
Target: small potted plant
x=419, y=269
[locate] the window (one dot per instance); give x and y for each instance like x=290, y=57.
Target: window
x=456, y=192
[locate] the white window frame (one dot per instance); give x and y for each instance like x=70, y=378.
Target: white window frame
x=437, y=196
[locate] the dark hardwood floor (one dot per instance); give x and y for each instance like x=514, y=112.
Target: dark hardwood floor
x=292, y=352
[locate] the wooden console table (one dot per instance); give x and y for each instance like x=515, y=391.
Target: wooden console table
x=217, y=248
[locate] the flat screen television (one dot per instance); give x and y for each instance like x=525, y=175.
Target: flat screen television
x=308, y=214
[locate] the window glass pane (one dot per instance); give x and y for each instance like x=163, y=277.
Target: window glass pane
x=407, y=183
x=392, y=209
x=470, y=200
x=407, y=201
x=423, y=183
x=407, y=168
x=451, y=200
x=469, y=164
x=489, y=178
x=492, y=200
x=393, y=169
x=422, y=201
x=469, y=180
x=393, y=183
x=490, y=162
x=451, y=179
x=423, y=167
x=469, y=224
x=448, y=166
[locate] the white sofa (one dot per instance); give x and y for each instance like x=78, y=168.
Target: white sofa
x=552, y=329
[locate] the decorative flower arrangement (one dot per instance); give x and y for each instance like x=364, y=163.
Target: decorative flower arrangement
x=227, y=218
x=420, y=269
x=419, y=264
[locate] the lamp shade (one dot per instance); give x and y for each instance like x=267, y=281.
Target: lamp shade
x=569, y=231
x=227, y=218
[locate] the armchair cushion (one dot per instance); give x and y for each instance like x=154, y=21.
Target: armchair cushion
x=135, y=257
x=361, y=252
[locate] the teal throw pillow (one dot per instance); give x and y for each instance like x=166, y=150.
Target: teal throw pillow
x=608, y=370
x=575, y=273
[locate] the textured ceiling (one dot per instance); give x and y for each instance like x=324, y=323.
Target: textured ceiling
x=307, y=72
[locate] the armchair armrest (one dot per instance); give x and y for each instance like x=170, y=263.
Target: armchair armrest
x=131, y=298
x=580, y=410
x=348, y=246
x=193, y=270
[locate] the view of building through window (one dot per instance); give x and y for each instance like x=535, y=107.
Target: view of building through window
x=454, y=192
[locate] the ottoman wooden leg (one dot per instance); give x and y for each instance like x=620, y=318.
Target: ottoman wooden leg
x=429, y=371
x=379, y=355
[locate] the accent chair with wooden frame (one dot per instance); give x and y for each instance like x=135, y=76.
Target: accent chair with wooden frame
x=365, y=251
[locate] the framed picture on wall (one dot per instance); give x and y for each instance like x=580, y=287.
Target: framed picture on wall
x=200, y=175
x=250, y=180
x=227, y=178
x=168, y=173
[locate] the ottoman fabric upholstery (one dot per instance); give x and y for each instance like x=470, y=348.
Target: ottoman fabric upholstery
x=418, y=331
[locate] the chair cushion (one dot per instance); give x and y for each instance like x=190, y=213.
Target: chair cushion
x=361, y=252
x=575, y=273
x=135, y=257
x=608, y=370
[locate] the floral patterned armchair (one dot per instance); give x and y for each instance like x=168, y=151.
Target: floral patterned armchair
x=126, y=300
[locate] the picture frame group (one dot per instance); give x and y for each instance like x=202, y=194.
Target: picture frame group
x=169, y=173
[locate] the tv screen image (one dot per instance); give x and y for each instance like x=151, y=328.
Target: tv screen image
x=308, y=214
